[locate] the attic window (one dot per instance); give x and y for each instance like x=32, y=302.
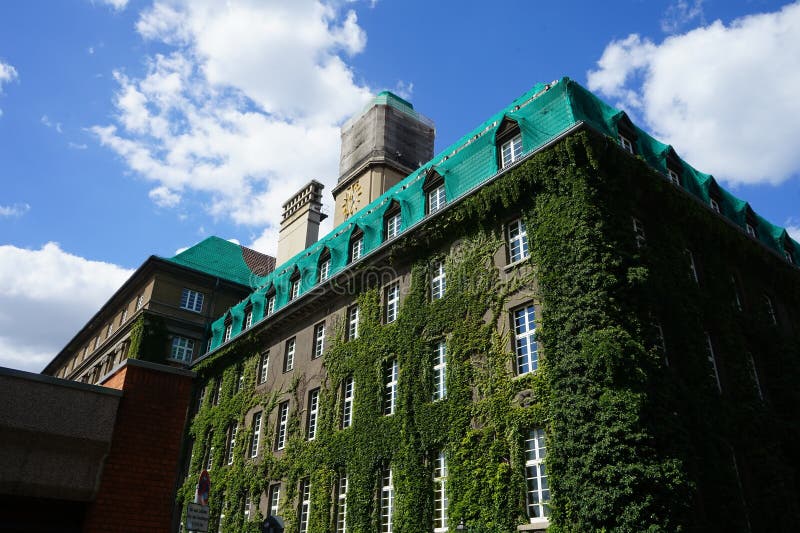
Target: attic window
x=509, y=141
x=356, y=245
x=626, y=144
x=270, y=301
x=392, y=220
x=674, y=178
x=788, y=254
x=435, y=195
x=294, y=282
x=751, y=231
x=627, y=134
x=248, y=316
x=324, y=268
x=226, y=336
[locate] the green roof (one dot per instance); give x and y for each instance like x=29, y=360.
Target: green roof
x=220, y=258
x=543, y=114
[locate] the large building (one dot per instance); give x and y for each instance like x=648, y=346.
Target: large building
x=163, y=311
x=555, y=322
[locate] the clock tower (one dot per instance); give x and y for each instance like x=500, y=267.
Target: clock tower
x=382, y=145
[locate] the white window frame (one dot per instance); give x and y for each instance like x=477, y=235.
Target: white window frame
x=182, y=349
x=440, y=371
x=440, y=503
x=356, y=248
x=638, y=232
x=220, y=529
x=192, y=300
x=248, y=319
x=437, y=199
x=387, y=500
x=305, y=505
x=348, y=395
x=313, y=414
x=517, y=235
x=537, y=489
x=226, y=336
x=247, y=503
x=341, y=503
x=526, y=349
x=239, y=378
x=124, y=316
x=319, y=341
x=324, y=270
x=270, y=304
x=288, y=355
x=140, y=302
x=390, y=387
x=392, y=302
x=295, y=289
x=263, y=368
x=352, y=322
x=712, y=360
x=231, y=442
x=283, y=420
x=692, y=266
x=626, y=144
x=393, y=225
x=274, y=501
x=714, y=205
x=438, y=281
x=673, y=177
x=110, y=329
x=256, y=434
x=751, y=231
x=511, y=151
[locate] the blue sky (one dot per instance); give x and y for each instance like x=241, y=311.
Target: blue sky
x=131, y=128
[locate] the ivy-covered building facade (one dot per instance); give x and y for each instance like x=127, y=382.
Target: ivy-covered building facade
x=556, y=323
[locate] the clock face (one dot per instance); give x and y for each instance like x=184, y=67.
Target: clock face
x=352, y=199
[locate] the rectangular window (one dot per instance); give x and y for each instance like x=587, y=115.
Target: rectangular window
x=247, y=503
x=283, y=420
x=390, y=387
x=305, y=505
x=438, y=281
x=140, y=302
x=525, y=340
x=220, y=528
x=228, y=330
x=348, y=391
x=714, y=205
x=626, y=144
x=751, y=231
x=288, y=356
x=439, y=371
x=392, y=302
x=511, y=150
x=754, y=375
x=263, y=368
x=356, y=248
x=210, y=458
x=182, y=349
x=341, y=504
x=393, y=226
x=239, y=378
x=538, y=491
x=217, y=392
x=110, y=330
x=313, y=412
x=638, y=232
x=660, y=342
x=319, y=340
x=517, y=241
x=124, y=316
x=295, y=291
x=436, y=199
x=737, y=298
x=274, y=499
x=192, y=300
x=387, y=500
x=773, y=318
x=674, y=178
x=256, y=435
x=712, y=360
x=692, y=266
x=324, y=270
x=248, y=319
x=440, y=494
x=270, y=304
x=352, y=323
x=231, y=443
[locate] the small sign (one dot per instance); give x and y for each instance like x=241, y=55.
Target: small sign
x=203, y=488
x=197, y=517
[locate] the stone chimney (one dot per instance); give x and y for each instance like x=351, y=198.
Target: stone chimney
x=302, y=214
x=382, y=145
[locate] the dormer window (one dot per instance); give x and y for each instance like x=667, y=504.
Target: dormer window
x=294, y=281
x=751, y=231
x=356, y=245
x=435, y=195
x=324, y=269
x=509, y=142
x=674, y=178
x=226, y=336
x=714, y=204
x=626, y=133
x=787, y=253
x=751, y=223
x=626, y=144
x=392, y=220
x=248, y=316
x=714, y=196
x=270, y=301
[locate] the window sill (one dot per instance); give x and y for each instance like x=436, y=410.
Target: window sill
x=537, y=524
x=511, y=266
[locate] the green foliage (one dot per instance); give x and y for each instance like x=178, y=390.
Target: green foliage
x=148, y=339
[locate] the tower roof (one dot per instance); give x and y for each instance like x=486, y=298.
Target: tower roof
x=226, y=260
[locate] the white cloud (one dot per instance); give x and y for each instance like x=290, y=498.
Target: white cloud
x=116, y=5
x=724, y=96
x=77, y=146
x=15, y=210
x=244, y=107
x=47, y=122
x=164, y=197
x=793, y=227
x=48, y=287
x=7, y=74
x=681, y=13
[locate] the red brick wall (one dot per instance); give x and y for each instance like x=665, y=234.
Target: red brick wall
x=137, y=490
